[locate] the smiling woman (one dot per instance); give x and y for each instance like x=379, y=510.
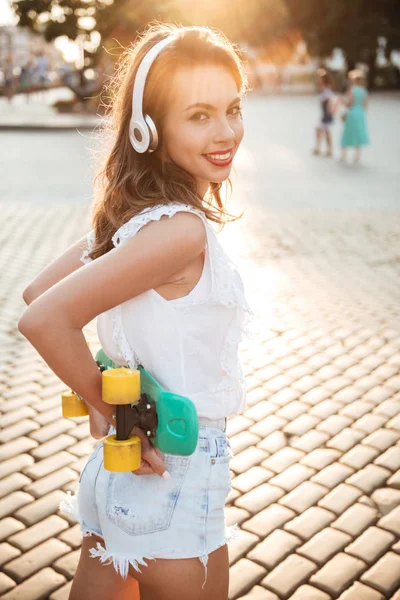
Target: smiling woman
x=167, y=297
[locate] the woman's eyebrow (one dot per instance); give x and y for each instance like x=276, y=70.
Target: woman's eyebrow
x=210, y=106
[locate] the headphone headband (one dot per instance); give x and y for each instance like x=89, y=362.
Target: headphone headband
x=142, y=131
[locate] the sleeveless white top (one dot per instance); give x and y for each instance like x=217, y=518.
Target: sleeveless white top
x=189, y=344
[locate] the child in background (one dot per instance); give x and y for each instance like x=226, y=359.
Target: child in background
x=355, y=132
x=328, y=108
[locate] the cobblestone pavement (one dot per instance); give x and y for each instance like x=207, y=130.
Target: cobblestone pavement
x=316, y=466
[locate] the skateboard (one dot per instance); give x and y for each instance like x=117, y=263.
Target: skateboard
x=169, y=420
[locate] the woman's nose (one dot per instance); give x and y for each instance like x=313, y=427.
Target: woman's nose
x=224, y=131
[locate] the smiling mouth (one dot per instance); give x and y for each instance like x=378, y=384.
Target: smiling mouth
x=220, y=159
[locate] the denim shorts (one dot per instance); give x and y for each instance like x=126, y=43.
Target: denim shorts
x=145, y=517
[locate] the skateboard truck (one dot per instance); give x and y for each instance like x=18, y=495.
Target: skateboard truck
x=143, y=415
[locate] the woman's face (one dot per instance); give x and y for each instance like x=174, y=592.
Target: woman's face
x=203, y=126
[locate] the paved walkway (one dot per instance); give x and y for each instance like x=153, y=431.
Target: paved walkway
x=316, y=471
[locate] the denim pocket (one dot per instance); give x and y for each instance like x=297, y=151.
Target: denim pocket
x=220, y=450
x=91, y=458
x=140, y=504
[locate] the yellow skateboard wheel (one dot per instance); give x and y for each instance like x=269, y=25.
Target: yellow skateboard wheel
x=72, y=406
x=120, y=386
x=122, y=455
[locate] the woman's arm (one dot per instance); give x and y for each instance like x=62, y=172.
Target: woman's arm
x=62, y=266
x=53, y=322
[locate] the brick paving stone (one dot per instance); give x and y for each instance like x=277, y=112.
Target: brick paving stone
x=382, y=439
x=9, y=526
x=12, y=483
x=35, y=559
x=49, y=416
x=51, y=482
x=277, y=383
x=16, y=447
x=234, y=515
x=251, y=478
x=73, y=536
x=359, y=456
x=268, y=520
x=273, y=442
x=348, y=395
x=301, y=425
x=37, y=587
x=340, y=498
x=8, y=552
x=82, y=430
x=243, y=440
x=52, y=430
x=310, y=522
x=384, y=575
x=324, y=544
x=61, y=442
x=359, y=591
x=26, y=400
x=394, y=423
x=256, y=395
x=306, y=383
x=345, y=440
x=259, y=498
x=325, y=409
x=387, y=499
x=292, y=476
x=48, y=465
x=394, y=481
x=371, y=545
x=260, y=593
x=67, y=564
x=268, y=425
x=307, y=592
x=316, y=395
x=389, y=459
x=17, y=415
x=11, y=503
x=274, y=549
x=338, y=574
x=356, y=519
x=389, y=408
x=48, y=528
x=260, y=411
x=284, y=396
x=334, y=424
x=304, y=496
x=235, y=425
x=391, y=522
x=39, y=509
x=378, y=394
x=356, y=410
x=17, y=429
x=332, y=475
x=63, y=593
x=240, y=546
x=290, y=574
x=6, y=584
x=282, y=459
x=292, y=410
x=247, y=459
x=243, y=575
x=393, y=383
x=78, y=465
x=311, y=440
x=370, y=478
x=320, y=458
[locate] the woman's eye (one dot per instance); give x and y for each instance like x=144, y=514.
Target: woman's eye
x=198, y=117
x=236, y=111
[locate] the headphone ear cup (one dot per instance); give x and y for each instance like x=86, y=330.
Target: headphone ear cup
x=153, y=133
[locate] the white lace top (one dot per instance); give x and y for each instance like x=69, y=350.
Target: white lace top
x=190, y=344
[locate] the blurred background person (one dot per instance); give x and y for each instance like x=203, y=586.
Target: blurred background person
x=328, y=102
x=9, y=79
x=355, y=132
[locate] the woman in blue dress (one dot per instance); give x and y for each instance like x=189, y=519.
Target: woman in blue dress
x=355, y=132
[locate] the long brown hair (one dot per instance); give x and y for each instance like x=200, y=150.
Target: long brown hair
x=129, y=182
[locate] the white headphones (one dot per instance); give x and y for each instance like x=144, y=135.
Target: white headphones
x=142, y=130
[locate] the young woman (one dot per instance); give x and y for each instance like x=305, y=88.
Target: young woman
x=166, y=296
x=355, y=132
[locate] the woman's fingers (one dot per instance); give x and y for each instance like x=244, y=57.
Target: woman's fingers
x=152, y=458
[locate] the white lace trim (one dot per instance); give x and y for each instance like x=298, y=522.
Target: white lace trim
x=120, y=341
x=90, y=240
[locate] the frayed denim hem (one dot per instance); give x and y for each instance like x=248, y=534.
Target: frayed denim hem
x=121, y=563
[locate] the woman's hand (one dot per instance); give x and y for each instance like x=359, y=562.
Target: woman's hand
x=99, y=425
x=152, y=458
